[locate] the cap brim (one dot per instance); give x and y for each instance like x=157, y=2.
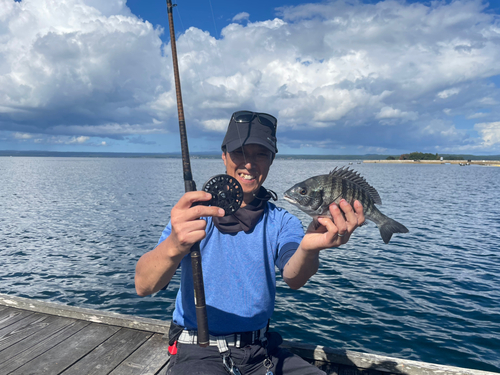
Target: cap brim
x=231, y=146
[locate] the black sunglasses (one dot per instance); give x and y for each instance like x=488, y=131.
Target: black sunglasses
x=264, y=118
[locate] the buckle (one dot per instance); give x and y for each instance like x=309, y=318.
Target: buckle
x=228, y=363
x=246, y=339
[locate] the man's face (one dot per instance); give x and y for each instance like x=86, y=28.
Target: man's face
x=249, y=165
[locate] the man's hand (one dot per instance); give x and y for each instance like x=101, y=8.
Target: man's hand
x=331, y=233
x=187, y=227
x=155, y=269
x=334, y=232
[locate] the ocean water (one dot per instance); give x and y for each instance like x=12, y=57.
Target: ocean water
x=72, y=230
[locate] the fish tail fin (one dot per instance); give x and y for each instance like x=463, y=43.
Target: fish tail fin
x=389, y=226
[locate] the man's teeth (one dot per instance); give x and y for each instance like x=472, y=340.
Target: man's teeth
x=246, y=176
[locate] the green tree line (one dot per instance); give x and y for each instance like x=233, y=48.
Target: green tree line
x=424, y=156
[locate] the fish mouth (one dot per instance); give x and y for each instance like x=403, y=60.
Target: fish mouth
x=289, y=199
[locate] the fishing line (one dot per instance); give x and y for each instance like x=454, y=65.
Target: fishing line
x=217, y=37
x=219, y=55
x=200, y=80
x=213, y=18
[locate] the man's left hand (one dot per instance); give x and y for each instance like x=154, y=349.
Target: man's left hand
x=337, y=231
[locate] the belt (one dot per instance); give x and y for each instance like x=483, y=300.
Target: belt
x=238, y=340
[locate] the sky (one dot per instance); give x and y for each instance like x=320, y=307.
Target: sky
x=342, y=77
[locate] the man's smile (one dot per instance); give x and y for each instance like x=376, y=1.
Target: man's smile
x=246, y=176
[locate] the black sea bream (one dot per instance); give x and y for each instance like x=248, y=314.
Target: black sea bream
x=314, y=195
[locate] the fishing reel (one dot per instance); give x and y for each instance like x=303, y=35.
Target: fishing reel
x=226, y=193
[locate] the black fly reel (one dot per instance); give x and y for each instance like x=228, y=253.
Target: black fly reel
x=226, y=193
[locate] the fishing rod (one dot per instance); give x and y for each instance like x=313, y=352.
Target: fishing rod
x=226, y=194
x=189, y=185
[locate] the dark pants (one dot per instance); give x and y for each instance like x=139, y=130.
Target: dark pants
x=192, y=360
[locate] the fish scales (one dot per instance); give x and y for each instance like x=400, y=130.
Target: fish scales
x=314, y=196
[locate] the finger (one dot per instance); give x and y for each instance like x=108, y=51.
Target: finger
x=189, y=233
x=205, y=211
x=316, y=227
x=332, y=232
x=185, y=210
x=338, y=218
x=349, y=213
x=190, y=197
x=360, y=214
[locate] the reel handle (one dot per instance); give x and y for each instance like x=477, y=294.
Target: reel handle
x=226, y=191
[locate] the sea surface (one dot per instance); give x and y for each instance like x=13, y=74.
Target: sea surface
x=72, y=230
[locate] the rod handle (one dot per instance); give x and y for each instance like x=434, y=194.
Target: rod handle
x=199, y=296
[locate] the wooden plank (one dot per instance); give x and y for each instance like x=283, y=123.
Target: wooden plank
x=104, y=358
x=5, y=311
x=329, y=368
x=17, y=344
x=336, y=369
x=349, y=370
x=13, y=316
x=149, y=359
x=36, y=360
x=69, y=351
x=311, y=353
x=376, y=362
x=22, y=328
x=41, y=347
x=106, y=317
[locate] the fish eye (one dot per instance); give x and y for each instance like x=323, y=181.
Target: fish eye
x=302, y=191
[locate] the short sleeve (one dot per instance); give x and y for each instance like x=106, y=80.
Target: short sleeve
x=166, y=232
x=290, y=236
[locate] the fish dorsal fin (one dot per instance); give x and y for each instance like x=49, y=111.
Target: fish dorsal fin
x=353, y=176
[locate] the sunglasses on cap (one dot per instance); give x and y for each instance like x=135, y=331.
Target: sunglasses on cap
x=264, y=118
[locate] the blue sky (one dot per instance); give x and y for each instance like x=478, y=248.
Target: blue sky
x=342, y=77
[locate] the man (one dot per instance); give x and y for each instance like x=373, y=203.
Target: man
x=240, y=253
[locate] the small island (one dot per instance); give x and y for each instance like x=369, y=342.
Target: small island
x=428, y=158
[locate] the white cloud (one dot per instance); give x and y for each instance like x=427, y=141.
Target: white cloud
x=325, y=64
x=389, y=112
x=488, y=101
x=81, y=139
x=490, y=132
x=447, y=93
x=440, y=128
x=477, y=115
x=109, y=130
x=218, y=125
x=61, y=140
x=243, y=16
x=23, y=136
x=70, y=59
x=84, y=68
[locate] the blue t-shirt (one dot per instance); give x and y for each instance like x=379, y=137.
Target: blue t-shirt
x=238, y=273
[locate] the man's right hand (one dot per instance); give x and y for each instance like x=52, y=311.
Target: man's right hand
x=155, y=269
x=187, y=227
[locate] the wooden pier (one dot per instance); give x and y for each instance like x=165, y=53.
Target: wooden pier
x=38, y=337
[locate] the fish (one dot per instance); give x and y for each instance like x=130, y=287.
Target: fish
x=314, y=196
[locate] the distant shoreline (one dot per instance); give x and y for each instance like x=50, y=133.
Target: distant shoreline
x=495, y=163
x=367, y=158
